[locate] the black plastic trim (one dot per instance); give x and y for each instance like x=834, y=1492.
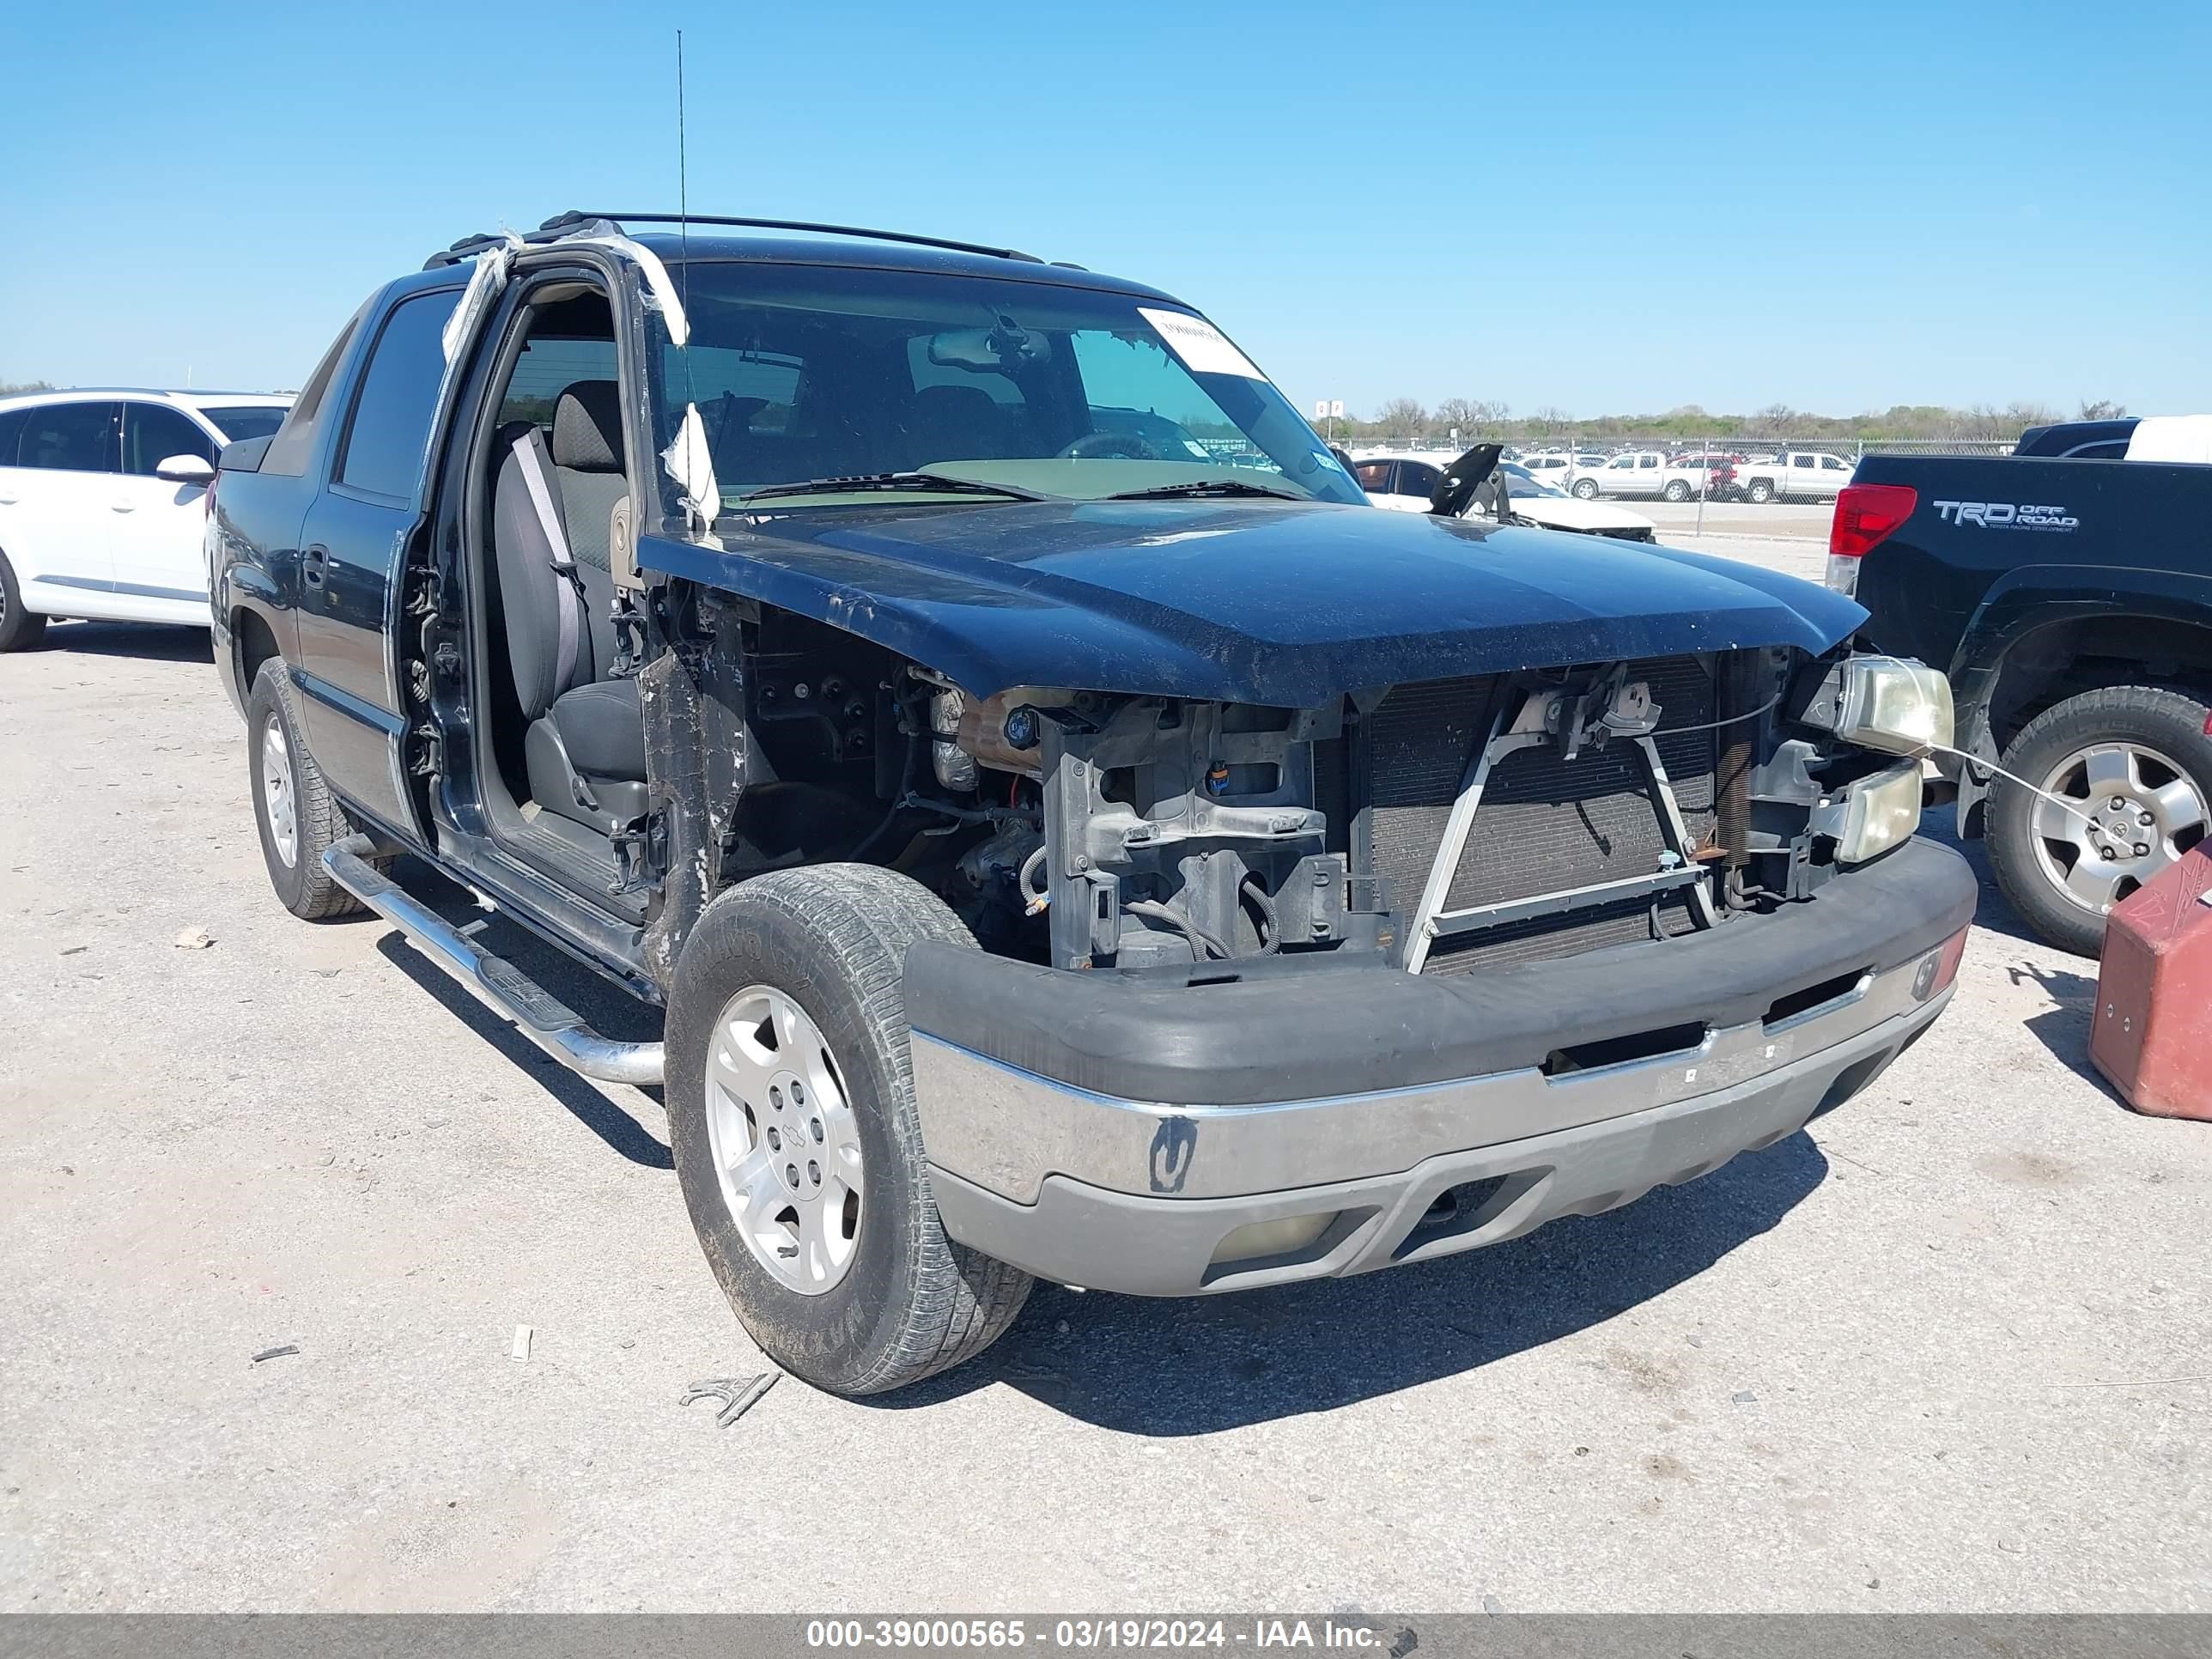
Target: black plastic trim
x=1286, y=1031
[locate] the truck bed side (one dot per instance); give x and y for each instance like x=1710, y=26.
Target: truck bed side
x=2001, y=550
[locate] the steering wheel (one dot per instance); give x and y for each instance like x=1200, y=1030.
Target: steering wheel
x=1110, y=445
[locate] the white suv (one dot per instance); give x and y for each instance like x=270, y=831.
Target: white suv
x=103, y=503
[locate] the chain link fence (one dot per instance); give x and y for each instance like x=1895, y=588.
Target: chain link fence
x=1752, y=470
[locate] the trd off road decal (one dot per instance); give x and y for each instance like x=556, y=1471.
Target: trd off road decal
x=2006, y=516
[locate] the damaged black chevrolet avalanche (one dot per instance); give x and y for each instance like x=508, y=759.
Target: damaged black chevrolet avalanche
x=1070, y=832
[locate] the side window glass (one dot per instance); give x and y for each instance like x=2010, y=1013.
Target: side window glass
x=70, y=438
x=288, y=451
x=1374, y=476
x=1805, y=461
x=548, y=366
x=1830, y=464
x=390, y=426
x=1648, y=461
x=12, y=421
x=152, y=432
x=1417, y=480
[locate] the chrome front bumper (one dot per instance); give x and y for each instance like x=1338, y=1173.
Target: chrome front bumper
x=1751, y=1032
x=1141, y=1197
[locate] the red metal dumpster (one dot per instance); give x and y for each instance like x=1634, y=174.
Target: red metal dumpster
x=2153, y=1021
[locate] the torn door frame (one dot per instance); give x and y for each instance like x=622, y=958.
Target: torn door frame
x=687, y=461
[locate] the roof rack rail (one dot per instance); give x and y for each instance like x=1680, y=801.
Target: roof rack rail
x=564, y=221
x=468, y=247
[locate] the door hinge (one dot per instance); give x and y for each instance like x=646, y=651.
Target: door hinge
x=426, y=759
x=641, y=853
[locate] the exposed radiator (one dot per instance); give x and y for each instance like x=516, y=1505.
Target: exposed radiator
x=1545, y=824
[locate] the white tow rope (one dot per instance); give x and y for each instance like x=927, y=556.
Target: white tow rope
x=2059, y=801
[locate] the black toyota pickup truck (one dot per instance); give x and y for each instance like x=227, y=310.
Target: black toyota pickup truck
x=1061, y=844
x=2068, y=592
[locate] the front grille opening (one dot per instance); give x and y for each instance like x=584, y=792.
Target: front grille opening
x=1624, y=1050
x=1545, y=824
x=1815, y=998
x=1544, y=939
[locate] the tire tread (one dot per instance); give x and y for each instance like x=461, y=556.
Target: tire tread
x=956, y=1301
x=322, y=821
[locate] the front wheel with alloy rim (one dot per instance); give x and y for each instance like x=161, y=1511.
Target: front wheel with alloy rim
x=797, y=1141
x=1585, y=489
x=293, y=807
x=2124, y=777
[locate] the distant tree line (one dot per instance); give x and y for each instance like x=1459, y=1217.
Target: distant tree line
x=1404, y=420
x=9, y=388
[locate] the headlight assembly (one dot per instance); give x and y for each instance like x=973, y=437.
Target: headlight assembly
x=1885, y=704
x=1873, y=814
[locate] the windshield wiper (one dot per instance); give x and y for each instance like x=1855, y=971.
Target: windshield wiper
x=1205, y=487
x=931, y=484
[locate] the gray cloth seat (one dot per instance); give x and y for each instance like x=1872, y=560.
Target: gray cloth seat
x=956, y=423
x=552, y=510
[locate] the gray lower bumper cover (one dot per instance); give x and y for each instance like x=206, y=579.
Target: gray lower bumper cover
x=1079, y=1234
x=1116, y=1188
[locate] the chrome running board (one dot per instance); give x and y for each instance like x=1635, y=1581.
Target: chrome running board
x=492, y=980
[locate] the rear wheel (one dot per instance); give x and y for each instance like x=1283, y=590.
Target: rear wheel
x=19, y=630
x=1678, y=491
x=298, y=819
x=792, y=1116
x=1760, y=492
x=2127, y=779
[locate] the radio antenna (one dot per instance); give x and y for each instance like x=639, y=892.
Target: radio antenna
x=682, y=216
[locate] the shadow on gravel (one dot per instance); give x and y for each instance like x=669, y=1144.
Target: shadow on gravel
x=608, y=1009
x=1201, y=1365
x=154, y=641
x=621, y=1132
x=1993, y=910
x=2065, y=1028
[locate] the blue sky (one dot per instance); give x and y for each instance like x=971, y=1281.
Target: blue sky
x=1719, y=204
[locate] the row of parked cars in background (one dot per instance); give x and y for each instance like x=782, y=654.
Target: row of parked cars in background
x=1404, y=481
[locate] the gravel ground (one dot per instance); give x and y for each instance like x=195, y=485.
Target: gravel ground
x=1951, y=1350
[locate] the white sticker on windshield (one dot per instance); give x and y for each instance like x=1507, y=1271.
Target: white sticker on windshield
x=1202, y=347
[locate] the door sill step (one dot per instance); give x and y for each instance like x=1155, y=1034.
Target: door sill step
x=492, y=980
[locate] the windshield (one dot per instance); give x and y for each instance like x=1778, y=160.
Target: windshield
x=803, y=372
x=245, y=420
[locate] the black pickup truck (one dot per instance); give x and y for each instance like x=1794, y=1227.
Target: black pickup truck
x=2068, y=591
x=1063, y=843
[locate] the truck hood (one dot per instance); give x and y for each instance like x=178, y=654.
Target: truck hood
x=1279, y=602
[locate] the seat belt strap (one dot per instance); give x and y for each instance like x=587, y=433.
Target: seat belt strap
x=529, y=450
